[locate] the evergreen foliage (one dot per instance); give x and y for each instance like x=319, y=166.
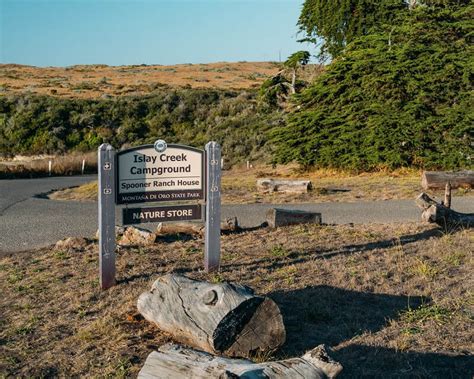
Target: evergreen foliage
x=298, y=59
x=401, y=96
x=274, y=92
x=338, y=22
x=43, y=124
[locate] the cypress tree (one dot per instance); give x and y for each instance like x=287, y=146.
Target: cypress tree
x=400, y=95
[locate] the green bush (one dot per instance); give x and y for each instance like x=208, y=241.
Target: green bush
x=43, y=124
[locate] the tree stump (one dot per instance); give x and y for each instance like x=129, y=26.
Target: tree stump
x=223, y=318
x=437, y=213
x=172, y=361
x=282, y=217
x=438, y=179
x=283, y=185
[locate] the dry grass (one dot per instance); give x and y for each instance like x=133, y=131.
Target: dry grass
x=30, y=167
x=94, y=81
x=392, y=300
x=239, y=186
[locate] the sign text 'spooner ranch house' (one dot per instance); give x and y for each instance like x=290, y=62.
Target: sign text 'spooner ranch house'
x=146, y=175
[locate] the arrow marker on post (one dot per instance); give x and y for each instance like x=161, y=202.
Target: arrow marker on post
x=106, y=195
x=212, y=253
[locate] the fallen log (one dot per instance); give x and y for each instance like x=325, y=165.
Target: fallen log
x=277, y=217
x=222, y=318
x=230, y=224
x=172, y=361
x=438, y=213
x=438, y=179
x=283, y=185
x=164, y=229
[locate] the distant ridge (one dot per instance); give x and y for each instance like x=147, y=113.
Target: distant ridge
x=100, y=80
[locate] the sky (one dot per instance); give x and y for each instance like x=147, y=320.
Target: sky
x=124, y=32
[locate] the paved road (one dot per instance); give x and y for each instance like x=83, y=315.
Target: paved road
x=28, y=222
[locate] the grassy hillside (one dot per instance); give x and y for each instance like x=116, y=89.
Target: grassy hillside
x=57, y=110
x=96, y=81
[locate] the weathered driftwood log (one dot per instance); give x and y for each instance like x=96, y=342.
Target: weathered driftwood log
x=437, y=213
x=164, y=229
x=281, y=217
x=438, y=179
x=218, y=318
x=172, y=361
x=283, y=185
x=230, y=224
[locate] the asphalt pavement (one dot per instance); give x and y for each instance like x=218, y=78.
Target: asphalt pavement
x=28, y=221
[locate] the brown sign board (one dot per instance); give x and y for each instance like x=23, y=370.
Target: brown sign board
x=145, y=174
x=191, y=212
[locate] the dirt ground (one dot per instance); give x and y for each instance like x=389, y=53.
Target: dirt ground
x=96, y=81
x=392, y=301
x=239, y=186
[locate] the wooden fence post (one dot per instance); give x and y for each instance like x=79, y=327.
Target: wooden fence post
x=212, y=248
x=106, y=197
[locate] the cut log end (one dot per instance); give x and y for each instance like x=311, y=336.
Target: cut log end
x=257, y=327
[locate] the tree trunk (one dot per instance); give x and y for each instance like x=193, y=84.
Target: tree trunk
x=412, y=4
x=441, y=215
x=282, y=217
x=438, y=179
x=218, y=318
x=230, y=224
x=172, y=361
x=293, y=81
x=283, y=185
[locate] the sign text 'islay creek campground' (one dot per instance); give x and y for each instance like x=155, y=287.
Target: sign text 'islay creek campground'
x=145, y=174
x=158, y=173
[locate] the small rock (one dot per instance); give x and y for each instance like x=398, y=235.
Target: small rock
x=71, y=243
x=119, y=230
x=134, y=236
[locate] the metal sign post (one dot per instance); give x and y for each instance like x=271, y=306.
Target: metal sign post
x=106, y=197
x=212, y=248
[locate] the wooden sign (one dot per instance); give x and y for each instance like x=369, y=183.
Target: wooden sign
x=156, y=173
x=160, y=172
x=191, y=212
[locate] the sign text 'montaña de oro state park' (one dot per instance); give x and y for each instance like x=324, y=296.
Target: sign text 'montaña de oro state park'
x=147, y=175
